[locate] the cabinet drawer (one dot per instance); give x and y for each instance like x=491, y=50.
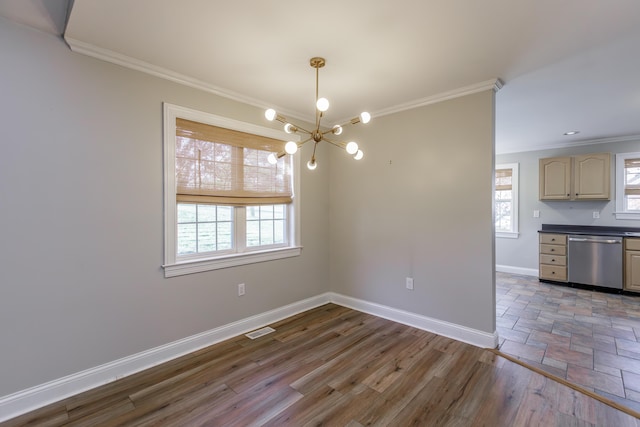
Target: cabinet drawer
x=553, y=259
x=554, y=239
x=553, y=249
x=552, y=272
x=632, y=244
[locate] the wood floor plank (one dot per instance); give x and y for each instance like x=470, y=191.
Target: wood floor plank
x=49, y=416
x=392, y=401
x=315, y=403
x=334, y=366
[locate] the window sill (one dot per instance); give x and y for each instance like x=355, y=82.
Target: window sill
x=627, y=215
x=507, y=234
x=189, y=267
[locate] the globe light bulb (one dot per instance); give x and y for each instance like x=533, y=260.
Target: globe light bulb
x=311, y=164
x=359, y=155
x=270, y=114
x=288, y=128
x=365, y=117
x=322, y=104
x=272, y=159
x=291, y=147
x=352, y=147
x=337, y=130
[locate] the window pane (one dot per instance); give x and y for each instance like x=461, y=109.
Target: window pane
x=266, y=232
x=278, y=211
x=632, y=203
x=503, y=195
x=206, y=213
x=204, y=228
x=503, y=216
x=253, y=233
x=225, y=213
x=186, y=212
x=207, y=237
x=253, y=212
x=266, y=212
x=225, y=236
x=187, y=242
x=632, y=175
x=278, y=231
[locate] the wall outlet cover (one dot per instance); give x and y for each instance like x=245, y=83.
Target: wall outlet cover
x=409, y=283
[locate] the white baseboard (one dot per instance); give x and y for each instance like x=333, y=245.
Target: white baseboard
x=517, y=270
x=36, y=397
x=440, y=327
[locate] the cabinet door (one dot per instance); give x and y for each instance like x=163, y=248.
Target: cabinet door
x=591, y=176
x=632, y=271
x=555, y=178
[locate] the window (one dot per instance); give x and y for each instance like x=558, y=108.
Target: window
x=506, y=200
x=225, y=204
x=628, y=186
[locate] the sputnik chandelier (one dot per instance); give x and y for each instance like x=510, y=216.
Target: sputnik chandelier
x=322, y=105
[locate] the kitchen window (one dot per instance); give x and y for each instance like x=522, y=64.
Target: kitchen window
x=627, y=186
x=506, y=200
x=225, y=203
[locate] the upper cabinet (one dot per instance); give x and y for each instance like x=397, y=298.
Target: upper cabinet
x=584, y=177
x=555, y=178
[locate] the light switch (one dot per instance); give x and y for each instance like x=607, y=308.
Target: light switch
x=536, y=214
x=596, y=214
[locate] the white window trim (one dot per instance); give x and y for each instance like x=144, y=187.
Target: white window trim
x=620, y=212
x=171, y=266
x=515, y=201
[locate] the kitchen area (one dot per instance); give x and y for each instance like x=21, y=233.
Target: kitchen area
x=568, y=281
x=601, y=257
x=605, y=258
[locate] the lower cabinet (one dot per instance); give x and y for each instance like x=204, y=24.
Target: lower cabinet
x=632, y=264
x=553, y=257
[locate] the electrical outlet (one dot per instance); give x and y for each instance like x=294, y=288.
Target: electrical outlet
x=409, y=283
x=596, y=214
x=536, y=214
x=241, y=289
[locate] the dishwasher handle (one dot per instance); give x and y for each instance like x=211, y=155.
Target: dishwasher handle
x=582, y=239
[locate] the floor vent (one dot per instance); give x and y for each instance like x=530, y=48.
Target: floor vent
x=260, y=332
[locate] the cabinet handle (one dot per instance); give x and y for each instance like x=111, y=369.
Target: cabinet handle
x=553, y=250
x=568, y=195
x=553, y=240
x=553, y=272
x=577, y=194
x=553, y=260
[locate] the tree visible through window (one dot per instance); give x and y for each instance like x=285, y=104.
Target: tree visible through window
x=223, y=198
x=627, y=186
x=632, y=185
x=506, y=200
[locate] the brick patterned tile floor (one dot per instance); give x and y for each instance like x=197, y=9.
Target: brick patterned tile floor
x=587, y=337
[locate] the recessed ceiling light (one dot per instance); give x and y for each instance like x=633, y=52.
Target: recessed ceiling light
x=572, y=132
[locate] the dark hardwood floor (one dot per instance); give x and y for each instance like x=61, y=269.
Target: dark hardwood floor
x=333, y=366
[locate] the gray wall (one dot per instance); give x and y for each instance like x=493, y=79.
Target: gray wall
x=81, y=223
x=522, y=253
x=81, y=219
x=419, y=206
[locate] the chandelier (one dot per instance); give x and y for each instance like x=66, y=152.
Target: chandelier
x=317, y=135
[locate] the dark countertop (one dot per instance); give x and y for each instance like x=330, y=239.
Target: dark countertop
x=592, y=230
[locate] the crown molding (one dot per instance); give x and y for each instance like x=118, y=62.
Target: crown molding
x=557, y=146
x=167, y=74
x=492, y=84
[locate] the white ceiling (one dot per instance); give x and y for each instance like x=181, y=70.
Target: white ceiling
x=566, y=65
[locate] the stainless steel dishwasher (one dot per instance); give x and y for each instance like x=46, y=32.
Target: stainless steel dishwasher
x=595, y=260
